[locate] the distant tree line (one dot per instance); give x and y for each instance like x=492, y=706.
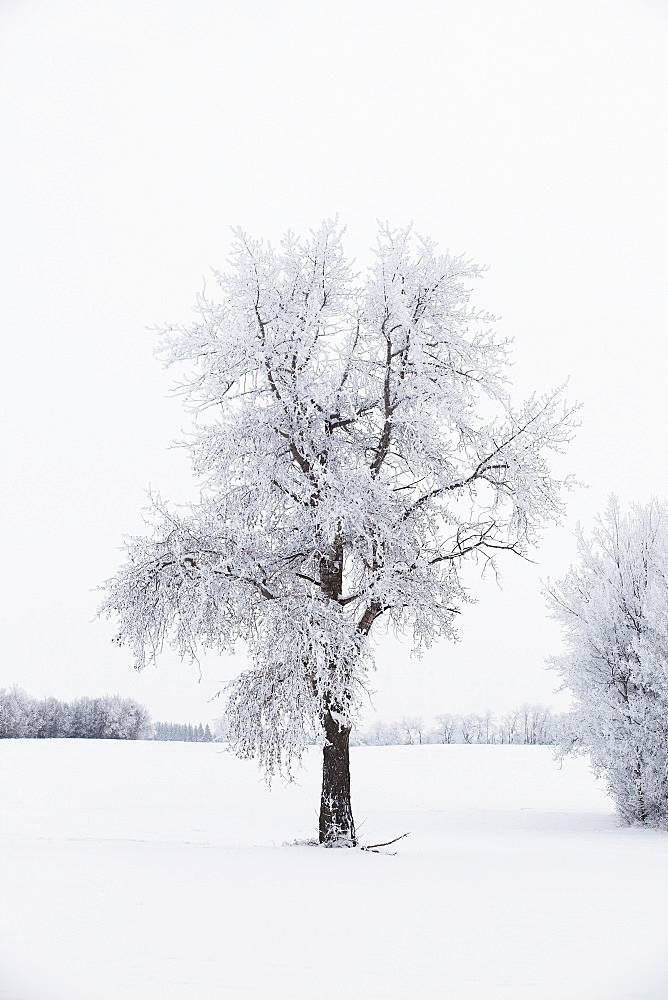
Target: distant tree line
x=528, y=725
x=182, y=732
x=107, y=718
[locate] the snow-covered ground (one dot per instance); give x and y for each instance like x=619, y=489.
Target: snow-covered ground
x=159, y=871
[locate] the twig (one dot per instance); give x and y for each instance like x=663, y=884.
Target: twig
x=372, y=847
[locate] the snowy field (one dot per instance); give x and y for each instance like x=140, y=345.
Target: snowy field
x=160, y=871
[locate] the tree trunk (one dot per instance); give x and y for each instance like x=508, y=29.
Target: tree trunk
x=337, y=828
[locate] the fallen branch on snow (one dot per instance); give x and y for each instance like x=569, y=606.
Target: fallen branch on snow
x=374, y=847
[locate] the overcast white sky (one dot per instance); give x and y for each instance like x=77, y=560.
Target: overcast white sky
x=530, y=134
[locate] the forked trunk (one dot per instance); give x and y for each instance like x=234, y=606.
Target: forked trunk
x=337, y=828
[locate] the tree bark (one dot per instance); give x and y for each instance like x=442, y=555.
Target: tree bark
x=337, y=828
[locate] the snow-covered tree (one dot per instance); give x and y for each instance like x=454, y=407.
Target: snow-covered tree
x=54, y=719
x=16, y=713
x=469, y=726
x=380, y=734
x=412, y=730
x=536, y=724
x=221, y=730
x=510, y=728
x=356, y=445
x=446, y=728
x=487, y=727
x=613, y=608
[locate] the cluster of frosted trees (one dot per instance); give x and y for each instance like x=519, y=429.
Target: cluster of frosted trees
x=182, y=732
x=108, y=718
x=528, y=724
